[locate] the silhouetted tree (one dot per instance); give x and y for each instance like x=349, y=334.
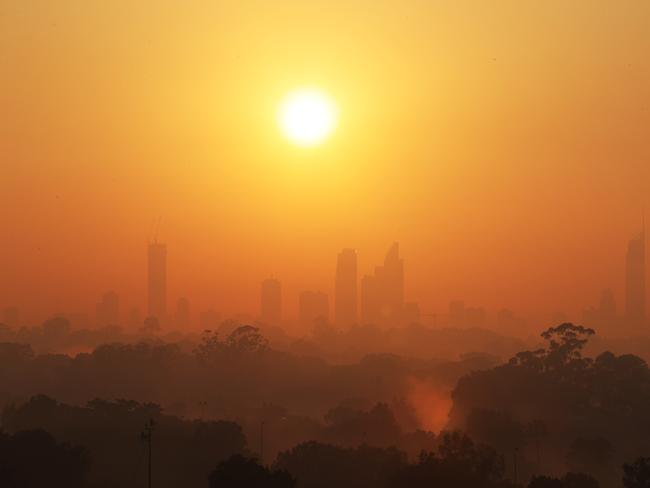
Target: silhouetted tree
x=151, y=325
x=579, y=480
x=570, y=480
x=606, y=398
x=184, y=451
x=316, y=465
x=497, y=429
x=348, y=426
x=242, y=472
x=593, y=456
x=566, y=342
x=459, y=463
x=33, y=459
x=637, y=474
x=247, y=339
x=545, y=482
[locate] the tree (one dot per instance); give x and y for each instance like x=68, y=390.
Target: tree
x=247, y=339
x=243, y=340
x=579, y=480
x=31, y=459
x=459, y=463
x=241, y=472
x=570, y=480
x=497, y=429
x=545, y=482
x=317, y=465
x=566, y=342
x=637, y=474
x=592, y=456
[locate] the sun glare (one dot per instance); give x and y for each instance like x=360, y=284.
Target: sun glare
x=307, y=117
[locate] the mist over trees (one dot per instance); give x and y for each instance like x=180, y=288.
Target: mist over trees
x=230, y=409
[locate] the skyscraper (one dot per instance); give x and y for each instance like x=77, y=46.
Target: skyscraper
x=107, y=311
x=271, y=301
x=157, y=280
x=382, y=295
x=346, y=288
x=313, y=306
x=635, y=277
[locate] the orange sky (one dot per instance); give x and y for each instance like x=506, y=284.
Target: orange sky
x=505, y=145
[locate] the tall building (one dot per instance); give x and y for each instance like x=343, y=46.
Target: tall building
x=313, y=306
x=603, y=317
x=345, y=305
x=635, y=281
x=107, y=311
x=182, y=317
x=157, y=280
x=271, y=301
x=382, y=294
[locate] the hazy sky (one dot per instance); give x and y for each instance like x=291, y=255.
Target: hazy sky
x=505, y=145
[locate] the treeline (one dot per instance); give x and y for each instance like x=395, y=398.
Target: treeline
x=239, y=376
x=555, y=409
x=34, y=459
x=551, y=416
x=337, y=345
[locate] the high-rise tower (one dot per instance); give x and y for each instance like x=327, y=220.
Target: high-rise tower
x=157, y=280
x=382, y=295
x=635, y=281
x=345, y=310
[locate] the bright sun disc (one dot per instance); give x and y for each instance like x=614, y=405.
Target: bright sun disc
x=307, y=117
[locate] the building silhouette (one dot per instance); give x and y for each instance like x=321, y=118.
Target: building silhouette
x=345, y=300
x=603, y=317
x=382, y=294
x=157, y=280
x=107, y=311
x=182, y=316
x=313, y=307
x=271, y=301
x=635, y=281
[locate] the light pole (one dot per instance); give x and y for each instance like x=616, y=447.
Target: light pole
x=146, y=436
x=262, y=442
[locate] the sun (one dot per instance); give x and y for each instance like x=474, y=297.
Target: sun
x=307, y=117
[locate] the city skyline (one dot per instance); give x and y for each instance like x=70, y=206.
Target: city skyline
x=381, y=301
x=510, y=172
x=320, y=244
